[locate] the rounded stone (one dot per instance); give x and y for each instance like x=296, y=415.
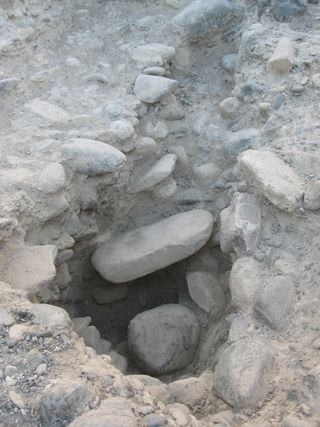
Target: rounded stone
x=164, y=339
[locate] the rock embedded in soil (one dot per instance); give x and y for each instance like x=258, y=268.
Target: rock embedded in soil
x=243, y=373
x=282, y=59
x=113, y=412
x=151, y=89
x=28, y=267
x=273, y=178
x=147, y=249
x=92, y=157
x=64, y=399
x=312, y=196
x=153, y=54
x=275, y=303
x=286, y=10
x=156, y=174
x=52, y=178
x=206, y=292
x=246, y=283
x=163, y=339
x=240, y=224
x=50, y=112
x=204, y=16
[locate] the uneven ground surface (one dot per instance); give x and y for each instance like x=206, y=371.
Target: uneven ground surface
x=209, y=319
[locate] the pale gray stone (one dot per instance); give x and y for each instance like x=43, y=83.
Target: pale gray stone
x=274, y=179
x=153, y=54
x=229, y=62
x=204, y=16
x=240, y=224
x=92, y=157
x=155, y=246
x=275, y=303
x=50, y=112
x=164, y=339
x=64, y=399
x=113, y=412
x=206, y=292
x=28, y=267
x=51, y=318
x=151, y=89
x=52, y=178
x=157, y=173
x=312, y=196
x=243, y=373
x=246, y=283
x=5, y=318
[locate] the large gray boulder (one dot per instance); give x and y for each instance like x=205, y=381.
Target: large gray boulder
x=147, y=249
x=242, y=375
x=164, y=339
x=204, y=16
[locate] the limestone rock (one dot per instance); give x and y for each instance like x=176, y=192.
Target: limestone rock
x=282, y=59
x=6, y=85
x=312, y=196
x=229, y=107
x=151, y=89
x=204, y=16
x=206, y=175
x=155, y=246
x=292, y=421
x=28, y=267
x=7, y=226
x=229, y=62
x=155, y=387
x=109, y=294
x=64, y=399
x=51, y=318
x=50, y=112
x=165, y=189
x=206, y=291
x=5, y=318
x=240, y=224
x=157, y=173
x=121, y=129
x=285, y=10
x=92, y=157
x=277, y=181
x=113, y=412
x=182, y=416
x=52, y=178
x=246, y=283
x=275, y=303
x=155, y=54
x=243, y=373
x=145, y=146
x=164, y=339
x=193, y=392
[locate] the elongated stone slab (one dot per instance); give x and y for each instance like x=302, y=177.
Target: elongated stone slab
x=273, y=178
x=147, y=249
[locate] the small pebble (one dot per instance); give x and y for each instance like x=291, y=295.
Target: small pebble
x=10, y=370
x=41, y=369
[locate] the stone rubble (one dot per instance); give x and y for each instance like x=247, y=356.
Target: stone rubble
x=159, y=206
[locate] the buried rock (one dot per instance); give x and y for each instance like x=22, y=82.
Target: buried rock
x=242, y=375
x=204, y=16
x=147, y=249
x=164, y=339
